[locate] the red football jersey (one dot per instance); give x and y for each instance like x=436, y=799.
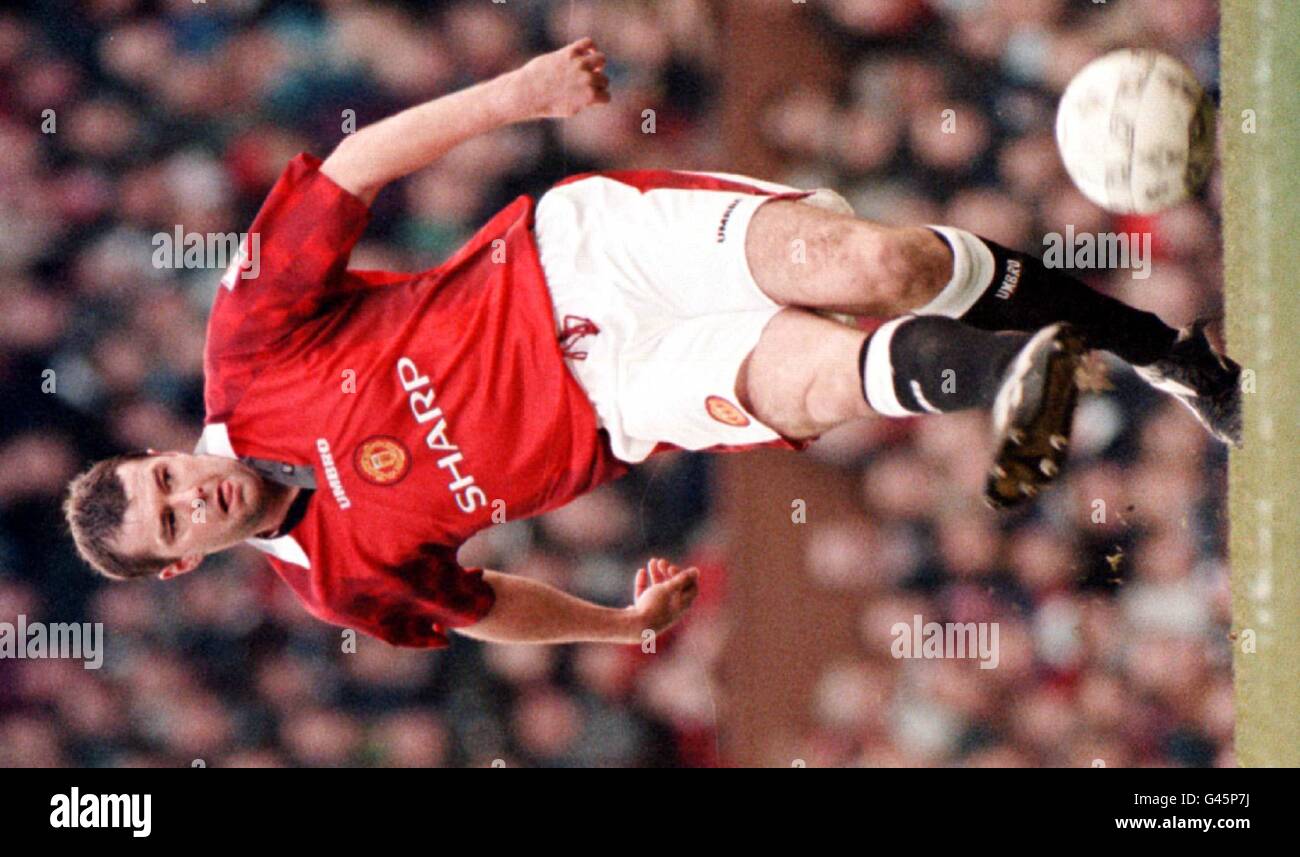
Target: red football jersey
x=424, y=402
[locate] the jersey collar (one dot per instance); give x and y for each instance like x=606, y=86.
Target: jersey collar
x=215, y=440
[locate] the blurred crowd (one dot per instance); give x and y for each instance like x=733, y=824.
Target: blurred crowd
x=120, y=119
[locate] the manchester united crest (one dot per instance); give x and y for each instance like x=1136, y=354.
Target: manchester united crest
x=725, y=412
x=382, y=460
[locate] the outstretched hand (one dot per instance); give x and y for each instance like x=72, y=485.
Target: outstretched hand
x=664, y=593
x=564, y=82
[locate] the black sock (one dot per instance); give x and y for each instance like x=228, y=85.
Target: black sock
x=931, y=364
x=1020, y=293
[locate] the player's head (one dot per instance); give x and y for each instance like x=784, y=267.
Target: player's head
x=145, y=514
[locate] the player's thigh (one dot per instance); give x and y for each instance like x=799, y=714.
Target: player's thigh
x=801, y=255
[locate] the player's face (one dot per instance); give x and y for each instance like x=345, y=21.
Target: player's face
x=184, y=507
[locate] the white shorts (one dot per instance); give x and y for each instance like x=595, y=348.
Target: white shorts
x=655, y=305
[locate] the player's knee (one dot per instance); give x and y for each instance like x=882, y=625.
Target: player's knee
x=833, y=393
x=802, y=407
x=829, y=401
x=908, y=266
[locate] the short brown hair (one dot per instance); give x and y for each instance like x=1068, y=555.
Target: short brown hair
x=95, y=508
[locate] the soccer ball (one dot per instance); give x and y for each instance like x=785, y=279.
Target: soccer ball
x=1136, y=131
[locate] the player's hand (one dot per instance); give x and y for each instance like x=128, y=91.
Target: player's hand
x=564, y=82
x=664, y=593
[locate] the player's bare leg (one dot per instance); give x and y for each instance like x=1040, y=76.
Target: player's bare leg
x=810, y=394
x=805, y=256
x=808, y=374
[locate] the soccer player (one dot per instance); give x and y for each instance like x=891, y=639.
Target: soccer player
x=362, y=425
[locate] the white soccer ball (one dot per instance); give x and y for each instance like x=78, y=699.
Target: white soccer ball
x=1136, y=131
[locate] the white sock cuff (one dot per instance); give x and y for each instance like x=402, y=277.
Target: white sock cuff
x=972, y=274
x=879, y=380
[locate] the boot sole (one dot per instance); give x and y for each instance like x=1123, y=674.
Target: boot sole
x=1033, y=416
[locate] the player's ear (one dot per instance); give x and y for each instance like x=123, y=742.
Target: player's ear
x=184, y=565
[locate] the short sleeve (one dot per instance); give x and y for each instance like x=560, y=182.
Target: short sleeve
x=290, y=260
x=415, y=604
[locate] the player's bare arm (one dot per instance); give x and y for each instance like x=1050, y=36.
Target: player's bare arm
x=528, y=611
x=554, y=85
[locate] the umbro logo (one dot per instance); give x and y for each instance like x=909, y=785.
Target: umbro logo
x=726, y=218
x=1011, y=281
x=331, y=472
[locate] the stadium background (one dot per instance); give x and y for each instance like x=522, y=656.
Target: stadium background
x=1113, y=635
